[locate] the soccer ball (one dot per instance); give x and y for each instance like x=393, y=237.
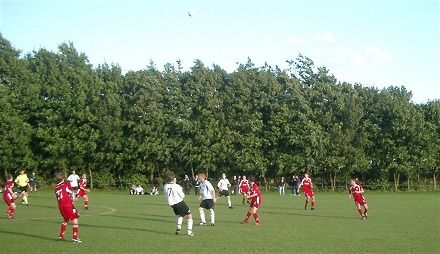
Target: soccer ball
x=191, y=13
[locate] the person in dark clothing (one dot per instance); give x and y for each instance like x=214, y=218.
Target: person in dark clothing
x=196, y=185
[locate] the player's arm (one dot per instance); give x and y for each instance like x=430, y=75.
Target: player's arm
x=213, y=195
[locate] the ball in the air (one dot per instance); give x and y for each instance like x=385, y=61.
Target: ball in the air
x=191, y=13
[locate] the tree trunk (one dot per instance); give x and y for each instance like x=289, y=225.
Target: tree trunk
x=407, y=183
x=396, y=180
x=91, y=177
x=434, y=180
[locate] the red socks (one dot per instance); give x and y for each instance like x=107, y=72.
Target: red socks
x=75, y=231
x=63, y=229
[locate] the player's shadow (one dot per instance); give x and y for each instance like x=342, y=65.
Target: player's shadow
x=21, y=233
x=311, y=214
x=125, y=228
x=148, y=217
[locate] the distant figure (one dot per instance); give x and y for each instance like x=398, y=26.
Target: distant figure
x=196, y=185
x=255, y=196
x=244, y=187
x=356, y=191
x=235, y=185
x=33, y=182
x=223, y=187
x=133, y=189
x=282, y=186
x=82, y=191
x=73, y=179
x=174, y=195
x=154, y=191
x=307, y=185
x=139, y=190
x=186, y=183
x=23, y=181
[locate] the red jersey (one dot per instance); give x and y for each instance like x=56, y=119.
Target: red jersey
x=256, y=201
x=63, y=191
x=358, y=197
x=8, y=186
x=82, y=185
x=306, y=183
x=244, y=186
x=7, y=196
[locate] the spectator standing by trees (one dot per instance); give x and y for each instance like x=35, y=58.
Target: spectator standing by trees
x=186, y=183
x=33, y=182
x=196, y=185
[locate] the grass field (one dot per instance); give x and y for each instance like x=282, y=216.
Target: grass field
x=402, y=222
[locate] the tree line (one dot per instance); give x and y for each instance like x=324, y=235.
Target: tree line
x=59, y=112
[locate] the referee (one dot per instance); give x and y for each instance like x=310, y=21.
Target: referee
x=23, y=181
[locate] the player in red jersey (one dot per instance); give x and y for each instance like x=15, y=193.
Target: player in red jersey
x=356, y=191
x=307, y=185
x=9, y=196
x=244, y=187
x=82, y=191
x=255, y=196
x=64, y=193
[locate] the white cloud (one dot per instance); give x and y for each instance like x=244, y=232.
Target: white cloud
x=359, y=60
x=295, y=39
x=326, y=37
x=378, y=54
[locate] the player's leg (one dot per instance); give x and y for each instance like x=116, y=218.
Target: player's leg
x=257, y=219
x=307, y=200
x=202, y=216
x=75, y=231
x=190, y=224
x=248, y=215
x=358, y=206
x=365, y=210
x=313, y=202
x=63, y=230
x=229, y=201
x=179, y=224
x=212, y=216
x=86, y=202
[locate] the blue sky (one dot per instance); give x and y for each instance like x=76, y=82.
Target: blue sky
x=375, y=43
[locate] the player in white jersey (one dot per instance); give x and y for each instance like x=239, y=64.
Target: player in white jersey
x=207, y=197
x=223, y=187
x=174, y=195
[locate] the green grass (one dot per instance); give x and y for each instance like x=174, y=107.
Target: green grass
x=402, y=222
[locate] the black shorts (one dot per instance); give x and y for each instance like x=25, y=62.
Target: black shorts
x=23, y=188
x=223, y=193
x=207, y=204
x=181, y=209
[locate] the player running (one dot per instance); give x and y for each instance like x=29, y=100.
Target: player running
x=255, y=196
x=223, y=187
x=82, y=191
x=174, y=195
x=244, y=187
x=307, y=185
x=356, y=191
x=64, y=193
x=9, y=197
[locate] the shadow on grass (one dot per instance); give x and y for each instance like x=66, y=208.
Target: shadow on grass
x=126, y=228
x=313, y=214
x=27, y=235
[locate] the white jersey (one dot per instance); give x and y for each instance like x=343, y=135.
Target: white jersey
x=73, y=179
x=223, y=184
x=173, y=193
x=206, y=189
